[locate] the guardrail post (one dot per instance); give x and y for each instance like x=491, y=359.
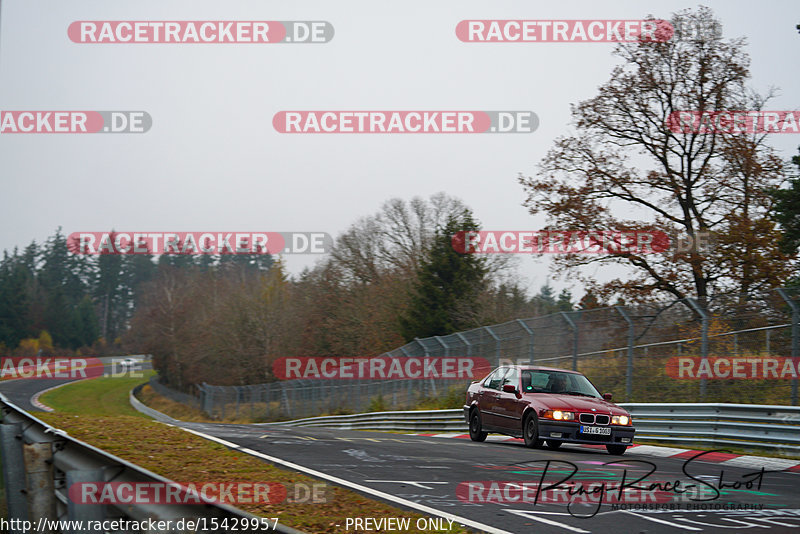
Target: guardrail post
x=467, y=343
x=704, y=336
x=530, y=343
x=795, y=337
x=14, y=472
x=203, y=397
x=629, y=370
x=41, y=491
x=285, y=399
x=443, y=344
x=264, y=391
x=496, y=343
x=446, y=351
x=238, y=400
x=767, y=334
x=574, y=328
x=252, y=391
x=427, y=355
x=410, y=393
x=84, y=512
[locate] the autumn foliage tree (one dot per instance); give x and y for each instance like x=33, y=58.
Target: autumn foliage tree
x=625, y=170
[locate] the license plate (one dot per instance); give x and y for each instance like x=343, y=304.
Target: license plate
x=600, y=430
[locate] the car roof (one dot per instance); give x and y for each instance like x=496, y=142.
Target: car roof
x=541, y=368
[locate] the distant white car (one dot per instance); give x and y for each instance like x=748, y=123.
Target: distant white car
x=129, y=362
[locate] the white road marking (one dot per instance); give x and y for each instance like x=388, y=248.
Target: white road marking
x=413, y=483
x=532, y=515
x=742, y=524
x=662, y=521
x=772, y=521
x=364, y=489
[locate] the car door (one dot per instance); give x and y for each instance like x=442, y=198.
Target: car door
x=489, y=397
x=508, y=411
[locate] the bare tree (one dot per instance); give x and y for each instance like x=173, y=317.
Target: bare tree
x=626, y=170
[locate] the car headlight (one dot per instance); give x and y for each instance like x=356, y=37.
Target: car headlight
x=620, y=420
x=559, y=415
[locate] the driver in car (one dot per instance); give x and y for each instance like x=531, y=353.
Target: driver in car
x=559, y=384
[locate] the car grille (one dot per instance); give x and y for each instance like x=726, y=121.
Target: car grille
x=591, y=419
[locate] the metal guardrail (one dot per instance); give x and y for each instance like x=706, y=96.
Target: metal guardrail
x=745, y=426
x=40, y=463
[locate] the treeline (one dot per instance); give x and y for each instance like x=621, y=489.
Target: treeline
x=57, y=302
x=51, y=299
x=392, y=276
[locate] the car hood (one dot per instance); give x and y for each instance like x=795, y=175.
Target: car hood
x=579, y=404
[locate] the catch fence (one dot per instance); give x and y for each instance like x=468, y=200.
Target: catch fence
x=726, y=348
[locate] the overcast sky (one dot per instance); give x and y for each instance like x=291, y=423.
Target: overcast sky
x=213, y=161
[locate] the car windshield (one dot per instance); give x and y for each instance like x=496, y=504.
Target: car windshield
x=557, y=382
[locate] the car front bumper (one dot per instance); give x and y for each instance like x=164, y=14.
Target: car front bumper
x=569, y=432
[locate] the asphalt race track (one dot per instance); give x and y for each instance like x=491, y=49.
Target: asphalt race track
x=429, y=471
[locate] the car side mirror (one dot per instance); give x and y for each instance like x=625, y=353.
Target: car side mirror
x=607, y=396
x=509, y=388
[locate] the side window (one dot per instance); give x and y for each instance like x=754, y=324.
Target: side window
x=512, y=377
x=494, y=380
x=488, y=379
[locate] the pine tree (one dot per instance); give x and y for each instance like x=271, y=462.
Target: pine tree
x=445, y=296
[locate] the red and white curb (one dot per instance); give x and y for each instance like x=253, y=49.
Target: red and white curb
x=723, y=458
x=42, y=406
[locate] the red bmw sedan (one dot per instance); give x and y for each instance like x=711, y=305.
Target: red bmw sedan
x=546, y=405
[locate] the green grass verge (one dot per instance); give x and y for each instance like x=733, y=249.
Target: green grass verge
x=97, y=396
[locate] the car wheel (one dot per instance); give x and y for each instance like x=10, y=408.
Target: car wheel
x=553, y=445
x=616, y=450
x=475, y=433
x=530, y=431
